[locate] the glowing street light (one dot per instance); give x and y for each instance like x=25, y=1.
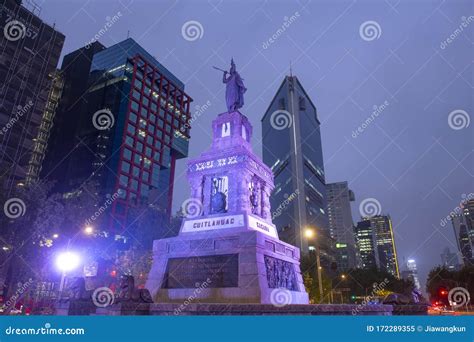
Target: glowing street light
x=67, y=261
x=309, y=233
x=343, y=276
x=55, y=236
x=89, y=230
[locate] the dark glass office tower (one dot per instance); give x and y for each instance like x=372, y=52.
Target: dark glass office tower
x=64, y=138
x=292, y=148
x=131, y=131
x=29, y=53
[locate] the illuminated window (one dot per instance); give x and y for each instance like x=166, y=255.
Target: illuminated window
x=123, y=181
x=125, y=167
x=136, y=171
x=127, y=154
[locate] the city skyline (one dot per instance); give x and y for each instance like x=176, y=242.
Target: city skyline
x=407, y=148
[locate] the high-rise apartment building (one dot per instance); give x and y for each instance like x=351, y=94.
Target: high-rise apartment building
x=29, y=53
x=341, y=226
x=292, y=148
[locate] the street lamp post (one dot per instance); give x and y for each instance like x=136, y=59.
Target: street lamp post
x=320, y=276
x=310, y=234
x=343, y=277
x=66, y=261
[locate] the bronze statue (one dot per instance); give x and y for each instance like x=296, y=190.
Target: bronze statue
x=235, y=89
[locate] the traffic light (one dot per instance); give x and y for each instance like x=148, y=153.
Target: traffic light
x=353, y=297
x=443, y=292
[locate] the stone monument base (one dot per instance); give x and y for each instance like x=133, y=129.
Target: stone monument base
x=74, y=307
x=228, y=265
x=194, y=309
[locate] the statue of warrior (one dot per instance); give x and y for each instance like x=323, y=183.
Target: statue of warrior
x=235, y=89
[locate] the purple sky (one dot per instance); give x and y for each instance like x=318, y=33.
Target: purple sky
x=409, y=158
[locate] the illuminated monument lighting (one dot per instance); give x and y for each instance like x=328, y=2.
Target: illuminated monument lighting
x=228, y=248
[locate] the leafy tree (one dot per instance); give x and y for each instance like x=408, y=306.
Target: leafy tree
x=441, y=277
x=309, y=270
x=363, y=282
x=360, y=282
x=27, y=235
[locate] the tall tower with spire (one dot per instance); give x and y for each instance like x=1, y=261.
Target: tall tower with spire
x=292, y=147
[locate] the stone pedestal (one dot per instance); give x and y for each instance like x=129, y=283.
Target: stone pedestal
x=230, y=266
x=227, y=250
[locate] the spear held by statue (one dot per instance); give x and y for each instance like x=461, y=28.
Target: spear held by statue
x=219, y=69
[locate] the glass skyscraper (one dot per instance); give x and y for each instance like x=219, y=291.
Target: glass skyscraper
x=376, y=243
x=146, y=112
x=365, y=238
x=292, y=148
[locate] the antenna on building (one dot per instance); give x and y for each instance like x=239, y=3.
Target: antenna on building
x=291, y=69
x=128, y=34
